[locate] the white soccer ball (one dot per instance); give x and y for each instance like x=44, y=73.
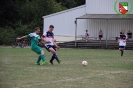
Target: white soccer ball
x=84, y=63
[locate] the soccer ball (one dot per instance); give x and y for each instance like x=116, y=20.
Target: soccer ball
x=84, y=63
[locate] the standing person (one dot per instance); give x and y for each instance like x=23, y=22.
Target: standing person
x=86, y=37
x=100, y=34
x=122, y=42
x=129, y=35
x=49, y=36
x=34, y=45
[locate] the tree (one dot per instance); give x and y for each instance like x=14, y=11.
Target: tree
x=20, y=17
x=31, y=12
x=8, y=13
x=71, y=3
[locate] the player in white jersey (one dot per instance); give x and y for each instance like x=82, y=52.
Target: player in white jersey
x=51, y=46
x=122, y=41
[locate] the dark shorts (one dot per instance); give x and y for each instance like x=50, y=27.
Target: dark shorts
x=122, y=47
x=129, y=37
x=50, y=46
x=100, y=36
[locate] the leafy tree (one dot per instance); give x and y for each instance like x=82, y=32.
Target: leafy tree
x=6, y=35
x=8, y=13
x=71, y=3
x=19, y=17
x=32, y=12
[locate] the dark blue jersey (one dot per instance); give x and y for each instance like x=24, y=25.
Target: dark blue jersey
x=49, y=36
x=122, y=37
x=122, y=40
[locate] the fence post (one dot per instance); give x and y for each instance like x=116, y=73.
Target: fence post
x=106, y=33
x=75, y=33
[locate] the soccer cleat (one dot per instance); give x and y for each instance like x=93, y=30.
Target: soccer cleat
x=37, y=63
x=44, y=63
x=51, y=62
x=59, y=61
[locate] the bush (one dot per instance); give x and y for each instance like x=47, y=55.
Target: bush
x=6, y=35
x=22, y=30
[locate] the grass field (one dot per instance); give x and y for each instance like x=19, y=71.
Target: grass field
x=105, y=69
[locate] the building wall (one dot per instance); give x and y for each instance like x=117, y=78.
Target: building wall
x=114, y=27
x=64, y=21
x=104, y=6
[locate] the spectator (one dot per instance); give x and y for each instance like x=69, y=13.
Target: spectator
x=129, y=35
x=100, y=34
x=86, y=37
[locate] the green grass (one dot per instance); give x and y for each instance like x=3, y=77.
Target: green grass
x=105, y=69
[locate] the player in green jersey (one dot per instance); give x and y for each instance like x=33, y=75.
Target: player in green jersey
x=34, y=45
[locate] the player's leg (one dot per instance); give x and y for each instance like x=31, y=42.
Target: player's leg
x=122, y=50
x=38, y=61
x=52, y=50
x=43, y=58
x=39, y=50
x=51, y=60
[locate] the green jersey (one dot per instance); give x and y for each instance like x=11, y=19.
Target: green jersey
x=34, y=39
x=34, y=42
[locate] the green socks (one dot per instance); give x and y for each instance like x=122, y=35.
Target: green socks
x=43, y=58
x=39, y=59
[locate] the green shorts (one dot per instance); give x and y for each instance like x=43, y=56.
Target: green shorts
x=36, y=49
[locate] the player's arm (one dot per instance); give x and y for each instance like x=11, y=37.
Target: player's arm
x=54, y=41
x=126, y=38
x=22, y=37
x=40, y=42
x=119, y=39
x=43, y=39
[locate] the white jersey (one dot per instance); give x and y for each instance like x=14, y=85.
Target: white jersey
x=48, y=36
x=87, y=34
x=122, y=40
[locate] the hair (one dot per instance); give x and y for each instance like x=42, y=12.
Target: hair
x=36, y=28
x=122, y=31
x=51, y=26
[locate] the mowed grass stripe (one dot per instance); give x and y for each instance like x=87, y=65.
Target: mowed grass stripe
x=72, y=79
x=17, y=69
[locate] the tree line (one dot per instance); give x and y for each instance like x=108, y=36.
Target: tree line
x=19, y=17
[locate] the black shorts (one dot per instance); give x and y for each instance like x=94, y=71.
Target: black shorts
x=50, y=46
x=129, y=37
x=100, y=36
x=122, y=47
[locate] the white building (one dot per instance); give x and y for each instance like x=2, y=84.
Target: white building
x=94, y=15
